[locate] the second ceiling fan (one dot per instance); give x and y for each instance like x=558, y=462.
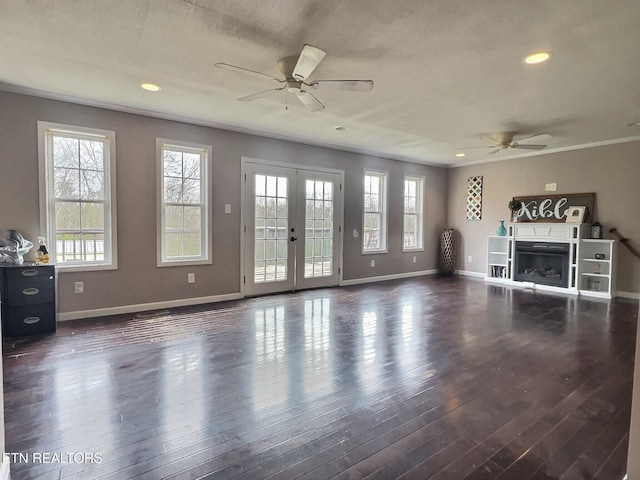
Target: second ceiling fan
x=508, y=140
x=295, y=72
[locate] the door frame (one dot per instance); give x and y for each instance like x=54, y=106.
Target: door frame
x=243, y=209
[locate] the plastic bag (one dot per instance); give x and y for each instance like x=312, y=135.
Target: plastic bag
x=13, y=247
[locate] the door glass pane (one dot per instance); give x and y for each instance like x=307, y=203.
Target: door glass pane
x=271, y=223
x=318, y=255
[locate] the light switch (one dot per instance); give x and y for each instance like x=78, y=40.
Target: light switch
x=227, y=208
x=550, y=187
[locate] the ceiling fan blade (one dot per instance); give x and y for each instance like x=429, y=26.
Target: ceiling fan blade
x=546, y=135
x=494, y=151
x=476, y=147
x=309, y=59
x=529, y=147
x=246, y=71
x=347, y=85
x=255, y=96
x=309, y=101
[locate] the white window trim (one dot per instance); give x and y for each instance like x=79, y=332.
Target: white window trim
x=205, y=187
x=385, y=212
x=420, y=203
x=45, y=171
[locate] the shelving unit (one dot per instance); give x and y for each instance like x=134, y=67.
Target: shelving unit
x=500, y=257
x=596, y=277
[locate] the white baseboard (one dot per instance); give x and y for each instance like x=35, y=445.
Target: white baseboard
x=143, y=307
x=4, y=471
x=628, y=295
x=466, y=273
x=382, y=278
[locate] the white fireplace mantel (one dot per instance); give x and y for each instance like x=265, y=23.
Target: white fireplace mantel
x=549, y=232
x=587, y=275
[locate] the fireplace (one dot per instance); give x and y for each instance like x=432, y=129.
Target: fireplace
x=546, y=263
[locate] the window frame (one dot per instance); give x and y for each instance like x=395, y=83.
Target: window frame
x=206, y=258
x=383, y=175
x=46, y=186
x=419, y=179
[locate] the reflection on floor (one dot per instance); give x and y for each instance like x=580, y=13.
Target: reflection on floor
x=441, y=378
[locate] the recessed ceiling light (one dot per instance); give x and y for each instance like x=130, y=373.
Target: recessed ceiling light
x=537, y=57
x=461, y=154
x=339, y=128
x=150, y=87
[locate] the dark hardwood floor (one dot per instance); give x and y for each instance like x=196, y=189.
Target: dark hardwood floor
x=442, y=378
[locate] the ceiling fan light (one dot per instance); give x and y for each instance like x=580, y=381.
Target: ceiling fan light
x=537, y=57
x=293, y=87
x=461, y=154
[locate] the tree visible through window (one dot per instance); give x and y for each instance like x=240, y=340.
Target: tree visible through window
x=184, y=224
x=77, y=166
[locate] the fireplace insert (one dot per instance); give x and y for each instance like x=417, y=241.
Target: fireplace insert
x=546, y=263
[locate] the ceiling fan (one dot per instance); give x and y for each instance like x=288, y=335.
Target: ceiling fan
x=507, y=140
x=295, y=72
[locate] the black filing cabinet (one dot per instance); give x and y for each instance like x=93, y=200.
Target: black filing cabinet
x=28, y=299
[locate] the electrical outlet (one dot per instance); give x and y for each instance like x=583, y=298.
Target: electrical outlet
x=78, y=287
x=550, y=187
x=227, y=208
x=191, y=278
x=469, y=259
x=373, y=263
x=414, y=259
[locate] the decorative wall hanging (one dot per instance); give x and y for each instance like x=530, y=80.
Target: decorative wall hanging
x=474, y=198
x=553, y=208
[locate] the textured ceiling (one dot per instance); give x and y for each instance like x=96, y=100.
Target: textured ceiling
x=447, y=73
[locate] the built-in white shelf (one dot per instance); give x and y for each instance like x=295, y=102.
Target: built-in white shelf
x=596, y=275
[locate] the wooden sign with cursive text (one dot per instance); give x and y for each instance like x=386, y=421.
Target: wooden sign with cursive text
x=553, y=208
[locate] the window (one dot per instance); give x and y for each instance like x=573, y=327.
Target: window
x=412, y=231
x=78, y=205
x=374, y=232
x=184, y=233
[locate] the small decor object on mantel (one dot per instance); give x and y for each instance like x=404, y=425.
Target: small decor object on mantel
x=596, y=230
x=575, y=214
x=501, y=231
x=514, y=206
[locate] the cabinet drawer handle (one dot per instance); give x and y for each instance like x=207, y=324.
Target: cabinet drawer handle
x=30, y=273
x=31, y=320
x=31, y=291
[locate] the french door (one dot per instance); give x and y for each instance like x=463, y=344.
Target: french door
x=292, y=228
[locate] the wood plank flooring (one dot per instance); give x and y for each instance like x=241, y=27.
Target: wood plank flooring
x=435, y=377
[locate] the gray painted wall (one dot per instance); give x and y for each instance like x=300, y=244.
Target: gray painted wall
x=137, y=279
x=611, y=171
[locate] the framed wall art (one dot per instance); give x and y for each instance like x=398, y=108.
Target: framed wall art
x=474, y=198
x=575, y=214
x=554, y=208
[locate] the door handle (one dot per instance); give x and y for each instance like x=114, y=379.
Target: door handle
x=293, y=239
